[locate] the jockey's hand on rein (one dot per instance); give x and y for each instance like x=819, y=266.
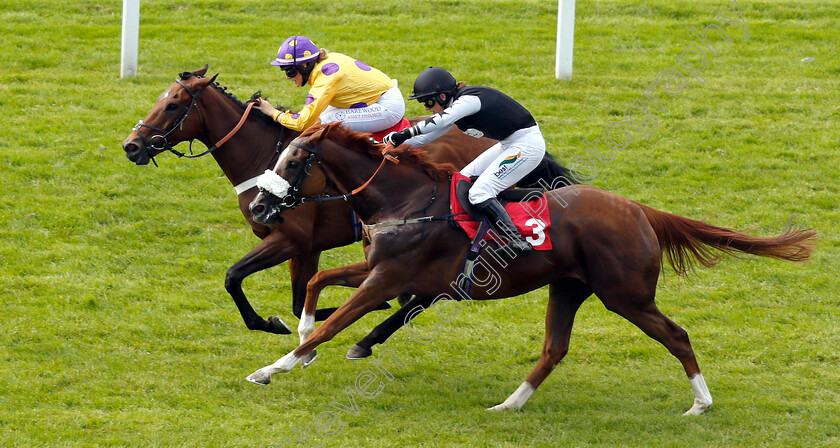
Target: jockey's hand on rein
x=265, y=107
x=398, y=138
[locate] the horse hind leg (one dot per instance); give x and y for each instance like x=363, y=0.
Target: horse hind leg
x=647, y=316
x=565, y=297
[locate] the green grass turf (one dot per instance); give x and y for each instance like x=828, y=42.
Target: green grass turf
x=116, y=329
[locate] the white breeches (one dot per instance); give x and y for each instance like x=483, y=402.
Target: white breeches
x=505, y=163
x=387, y=111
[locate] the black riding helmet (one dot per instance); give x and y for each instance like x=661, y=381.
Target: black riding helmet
x=431, y=83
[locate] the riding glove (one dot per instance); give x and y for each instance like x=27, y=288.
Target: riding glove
x=398, y=138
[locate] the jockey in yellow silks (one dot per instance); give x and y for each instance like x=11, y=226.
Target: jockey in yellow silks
x=343, y=89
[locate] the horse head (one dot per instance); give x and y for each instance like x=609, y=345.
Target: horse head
x=293, y=180
x=347, y=164
x=173, y=119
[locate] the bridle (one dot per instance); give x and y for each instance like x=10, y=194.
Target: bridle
x=292, y=199
x=160, y=141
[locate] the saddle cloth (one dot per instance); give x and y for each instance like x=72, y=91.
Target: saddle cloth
x=379, y=136
x=527, y=207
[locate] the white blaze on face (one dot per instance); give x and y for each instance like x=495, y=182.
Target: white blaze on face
x=285, y=154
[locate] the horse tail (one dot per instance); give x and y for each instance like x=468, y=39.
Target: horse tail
x=685, y=240
x=549, y=175
x=558, y=171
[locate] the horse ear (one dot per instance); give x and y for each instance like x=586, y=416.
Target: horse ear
x=324, y=129
x=197, y=74
x=315, y=132
x=204, y=82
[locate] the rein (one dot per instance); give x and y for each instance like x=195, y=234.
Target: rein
x=386, y=157
x=235, y=128
x=424, y=219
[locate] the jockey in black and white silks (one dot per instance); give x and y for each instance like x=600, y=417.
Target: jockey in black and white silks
x=480, y=112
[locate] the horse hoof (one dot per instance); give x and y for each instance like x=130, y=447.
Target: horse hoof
x=403, y=299
x=499, y=407
x=383, y=306
x=308, y=359
x=259, y=378
x=277, y=326
x=698, y=408
x=503, y=407
x=358, y=352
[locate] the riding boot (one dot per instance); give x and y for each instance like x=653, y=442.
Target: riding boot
x=500, y=219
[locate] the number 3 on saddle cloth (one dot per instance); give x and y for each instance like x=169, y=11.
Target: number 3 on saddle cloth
x=527, y=207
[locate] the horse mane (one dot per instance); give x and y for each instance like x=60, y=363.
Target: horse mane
x=224, y=90
x=361, y=142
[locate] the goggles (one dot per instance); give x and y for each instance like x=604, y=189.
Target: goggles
x=427, y=101
x=291, y=71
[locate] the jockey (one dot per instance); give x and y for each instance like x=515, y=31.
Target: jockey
x=343, y=89
x=480, y=112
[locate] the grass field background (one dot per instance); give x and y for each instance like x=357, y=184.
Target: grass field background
x=116, y=330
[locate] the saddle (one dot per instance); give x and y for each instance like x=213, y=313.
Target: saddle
x=403, y=124
x=462, y=191
x=527, y=207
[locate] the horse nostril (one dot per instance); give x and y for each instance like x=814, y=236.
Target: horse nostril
x=130, y=147
x=257, y=209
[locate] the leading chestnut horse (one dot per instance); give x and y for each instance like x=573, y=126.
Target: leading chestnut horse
x=603, y=244
x=195, y=107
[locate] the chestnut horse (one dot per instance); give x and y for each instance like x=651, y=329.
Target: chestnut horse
x=603, y=244
x=195, y=107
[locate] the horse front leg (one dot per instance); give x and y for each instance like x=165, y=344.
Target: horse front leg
x=373, y=292
x=351, y=275
x=302, y=268
x=271, y=251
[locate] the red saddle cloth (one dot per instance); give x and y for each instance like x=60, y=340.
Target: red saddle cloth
x=379, y=136
x=530, y=217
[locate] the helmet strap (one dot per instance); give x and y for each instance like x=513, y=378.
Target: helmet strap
x=306, y=69
x=303, y=69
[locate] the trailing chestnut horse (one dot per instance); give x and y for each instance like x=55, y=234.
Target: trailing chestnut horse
x=195, y=107
x=603, y=244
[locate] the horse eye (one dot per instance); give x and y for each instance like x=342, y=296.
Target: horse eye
x=294, y=164
x=171, y=107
